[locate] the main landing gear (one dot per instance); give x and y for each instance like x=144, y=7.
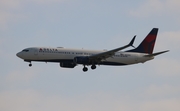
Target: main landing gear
x=93, y=67
x=85, y=69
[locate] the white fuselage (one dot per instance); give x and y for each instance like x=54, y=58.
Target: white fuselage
x=69, y=58
x=64, y=54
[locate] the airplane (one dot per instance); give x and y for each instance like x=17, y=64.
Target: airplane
x=69, y=58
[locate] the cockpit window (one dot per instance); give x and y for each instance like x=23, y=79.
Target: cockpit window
x=25, y=50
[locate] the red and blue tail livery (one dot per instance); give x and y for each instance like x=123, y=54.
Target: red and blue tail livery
x=147, y=45
x=69, y=57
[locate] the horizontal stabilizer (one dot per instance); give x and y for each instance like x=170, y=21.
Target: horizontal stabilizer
x=155, y=54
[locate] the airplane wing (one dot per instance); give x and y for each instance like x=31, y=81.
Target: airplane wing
x=100, y=56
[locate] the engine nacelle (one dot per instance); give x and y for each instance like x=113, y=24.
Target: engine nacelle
x=67, y=64
x=81, y=60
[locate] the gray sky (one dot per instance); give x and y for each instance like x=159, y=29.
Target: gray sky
x=95, y=24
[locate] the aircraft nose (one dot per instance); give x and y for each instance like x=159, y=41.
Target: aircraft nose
x=19, y=54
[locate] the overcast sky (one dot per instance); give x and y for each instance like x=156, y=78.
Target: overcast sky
x=94, y=24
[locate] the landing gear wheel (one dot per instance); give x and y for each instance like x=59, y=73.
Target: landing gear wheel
x=30, y=65
x=93, y=67
x=85, y=69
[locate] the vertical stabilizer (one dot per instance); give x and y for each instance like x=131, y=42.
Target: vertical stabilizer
x=147, y=45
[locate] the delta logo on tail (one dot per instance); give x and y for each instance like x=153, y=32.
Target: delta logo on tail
x=147, y=45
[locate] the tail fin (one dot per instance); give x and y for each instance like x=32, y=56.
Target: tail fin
x=147, y=45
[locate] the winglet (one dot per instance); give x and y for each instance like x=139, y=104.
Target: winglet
x=132, y=41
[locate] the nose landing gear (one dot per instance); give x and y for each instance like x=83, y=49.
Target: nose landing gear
x=30, y=64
